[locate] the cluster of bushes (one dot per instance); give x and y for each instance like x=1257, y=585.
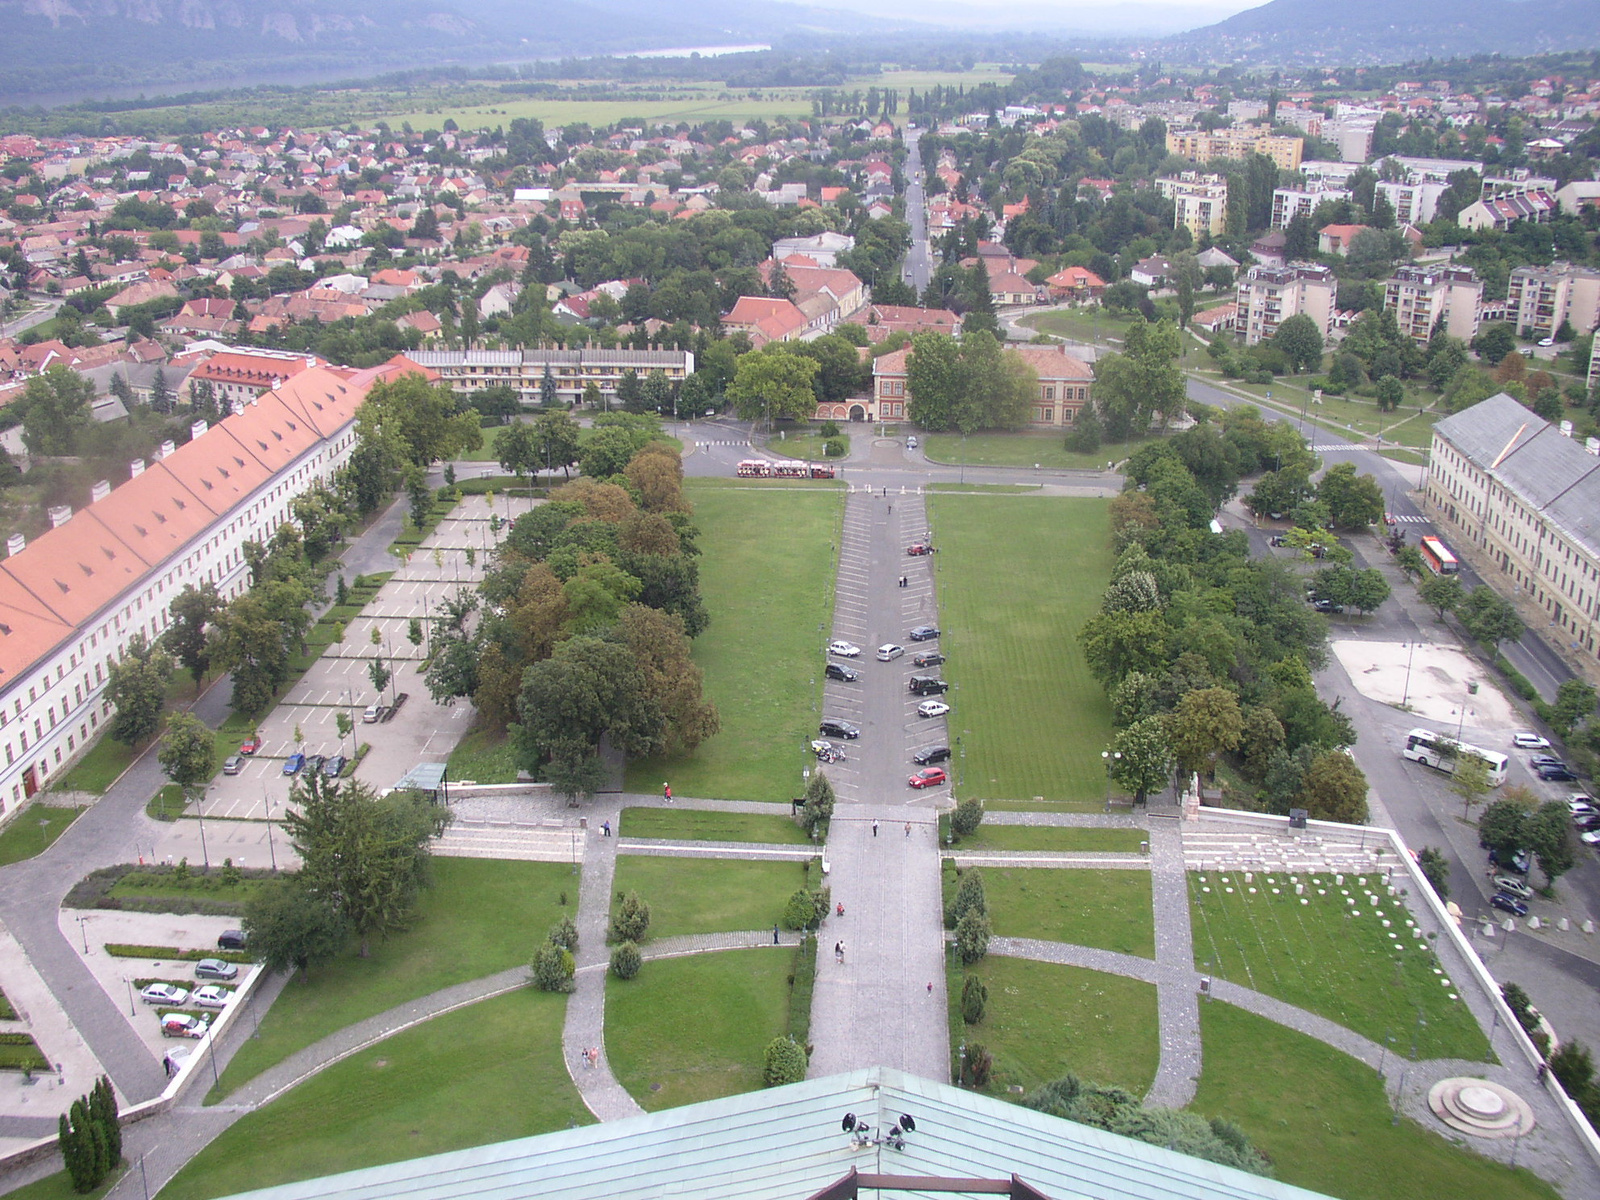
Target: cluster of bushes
x=553, y=963
x=177, y=889
x=91, y=1137
x=968, y=914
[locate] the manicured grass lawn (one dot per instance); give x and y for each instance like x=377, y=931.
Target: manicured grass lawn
x=1110, y=910
x=59, y=1187
x=483, y=756
x=698, y=895
x=1044, y=1020
x=99, y=768
x=766, y=574
x=23, y=837
x=1088, y=324
x=695, y=1028
x=1014, y=649
x=1333, y=958
x=479, y=917
x=1348, y=415
x=802, y=443
x=1020, y=450
x=484, y=1073
x=1323, y=1119
x=1049, y=837
x=686, y=823
x=486, y=452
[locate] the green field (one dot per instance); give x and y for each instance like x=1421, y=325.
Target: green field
x=1332, y=958
x=1350, y=416
x=33, y=829
x=695, y=1028
x=1044, y=1020
x=1069, y=839
x=804, y=443
x=1323, y=1119
x=1109, y=910
x=479, y=917
x=484, y=756
x=1031, y=718
x=683, y=102
x=766, y=574
x=701, y=826
x=1047, y=450
x=700, y=895
x=485, y=1073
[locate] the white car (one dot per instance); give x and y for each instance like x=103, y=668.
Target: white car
x=844, y=649
x=1547, y=342
x=212, y=995
x=911, y=443
x=1527, y=740
x=1513, y=885
x=888, y=652
x=163, y=993
x=1592, y=838
x=1581, y=806
x=932, y=708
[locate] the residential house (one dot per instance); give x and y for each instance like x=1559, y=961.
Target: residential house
x=1336, y=239
x=1503, y=211
x=1075, y=283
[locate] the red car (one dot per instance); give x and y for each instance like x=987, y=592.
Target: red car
x=917, y=548
x=250, y=745
x=927, y=777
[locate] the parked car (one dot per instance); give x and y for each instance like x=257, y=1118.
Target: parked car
x=827, y=752
x=212, y=995
x=335, y=765
x=931, y=754
x=1587, y=821
x=927, y=658
x=251, y=744
x=183, y=1025
x=1544, y=760
x=844, y=649
x=911, y=443
x=233, y=764
x=888, y=652
x=1520, y=861
x=1581, y=805
x=1327, y=606
x=1592, y=838
x=928, y=777
x=314, y=762
x=1512, y=886
x=232, y=939
x=924, y=633
x=928, y=685
x=1528, y=740
x=834, y=727
x=215, y=968
x=292, y=764
x=163, y=993
x=372, y=713
x=919, y=548
x=1556, y=772
x=932, y=708
x=841, y=672
x=1508, y=904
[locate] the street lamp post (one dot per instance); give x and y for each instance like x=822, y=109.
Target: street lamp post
x=84, y=930
x=1110, y=758
x=199, y=812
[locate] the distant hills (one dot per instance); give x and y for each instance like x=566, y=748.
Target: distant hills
x=1315, y=32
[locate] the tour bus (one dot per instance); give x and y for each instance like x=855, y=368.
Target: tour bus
x=757, y=468
x=1440, y=752
x=1438, y=557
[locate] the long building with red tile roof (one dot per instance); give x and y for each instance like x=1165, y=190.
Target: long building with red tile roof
x=71, y=599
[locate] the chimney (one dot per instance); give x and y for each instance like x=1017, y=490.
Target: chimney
x=168, y=449
x=1592, y=445
x=197, y=429
x=60, y=514
x=15, y=544
x=1566, y=429
x=100, y=491
x=136, y=468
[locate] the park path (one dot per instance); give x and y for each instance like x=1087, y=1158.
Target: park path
x=1177, y=998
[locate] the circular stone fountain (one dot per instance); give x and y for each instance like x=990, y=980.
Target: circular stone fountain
x=1480, y=1107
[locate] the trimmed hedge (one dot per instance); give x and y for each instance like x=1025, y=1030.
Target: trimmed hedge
x=19, y=1052
x=127, y=950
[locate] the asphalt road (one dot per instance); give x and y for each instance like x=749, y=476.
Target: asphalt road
x=919, y=261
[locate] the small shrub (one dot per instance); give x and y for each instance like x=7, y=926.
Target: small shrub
x=972, y=937
x=978, y=1066
x=974, y=998
x=553, y=968
x=830, y=429
x=801, y=910
x=969, y=898
x=785, y=1062
x=632, y=921
x=564, y=934
x=626, y=961
x=967, y=817
x=230, y=875
x=836, y=447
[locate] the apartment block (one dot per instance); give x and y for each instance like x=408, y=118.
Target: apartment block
x=1200, y=146
x=1538, y=299
x=1200, y=202
x=1268, y=296
x=523, y=370
x=1289, y=203
x=1413, y=203
x=1424, y=297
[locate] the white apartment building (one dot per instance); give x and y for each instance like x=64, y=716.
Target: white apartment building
x=1413, y=203
x=523, y=370
x=1268, y=296
x=1538, y=299
x=71, y=600
x=1200, y=202
x=1423, y=297
x=1527, y=497
x=1289, y=203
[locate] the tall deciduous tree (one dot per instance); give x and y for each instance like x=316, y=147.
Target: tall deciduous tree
x=1299, y=340
x=671, y=679
x=188, y=752
x=1335, y=789
x=56, y=411
x=138, y=688
x=1143, y=382
x=1142, y=761
x=1206, y=722
x=1354, y=501
x=187, y=637
x=557, y=436
x=1548, y=837
x=769, y=385
x=292, y=927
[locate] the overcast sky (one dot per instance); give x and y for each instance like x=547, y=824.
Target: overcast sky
x=1137, y=16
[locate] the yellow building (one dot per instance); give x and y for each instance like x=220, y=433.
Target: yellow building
x=1200, y=146
x=1200, y=202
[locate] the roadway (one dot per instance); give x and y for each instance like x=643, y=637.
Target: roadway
x=918, y=267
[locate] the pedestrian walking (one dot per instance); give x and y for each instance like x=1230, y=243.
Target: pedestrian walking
x=908, y=828
x=891, y=510
x=838, y=952
x=666, y=792
x=874, y=828
x=930, y=987
x=605, y=828
x=774, y=935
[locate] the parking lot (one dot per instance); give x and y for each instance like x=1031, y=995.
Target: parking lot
x=237, y=807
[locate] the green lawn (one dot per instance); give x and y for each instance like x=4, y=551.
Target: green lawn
x=479, y=917
x=695, y=1028
x=484, y=756
x=1020, y=450
x=1333, y=958
x=802, y=443
x=59, y=1187
x=690, y=824
x=766, y=574
x=1077, y=839
x=23, y=837
x=1110, y=910
x=99, y=768
x=485, y=1073
x=1323, y=1119
x=699, y=895
x=486, y=452
x=1348, y=415
x=1044, y=1020
x=1014, y=649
